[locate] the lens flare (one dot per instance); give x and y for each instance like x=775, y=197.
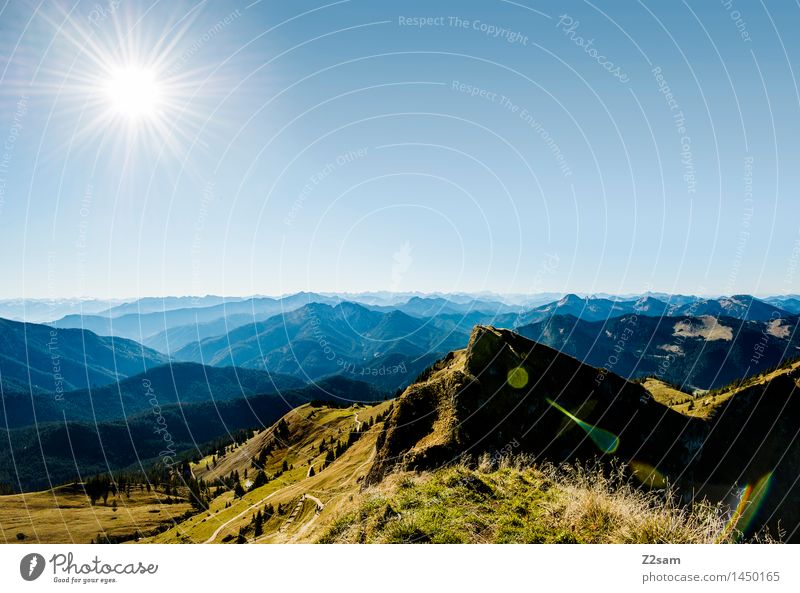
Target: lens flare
x=648, y=475
x=750, y=500
x=518, y=377
x=606, y=441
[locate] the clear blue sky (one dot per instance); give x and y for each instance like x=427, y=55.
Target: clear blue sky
x=345, y=149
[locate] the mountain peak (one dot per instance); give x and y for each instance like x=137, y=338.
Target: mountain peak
x=571, y=299
x=503, y=388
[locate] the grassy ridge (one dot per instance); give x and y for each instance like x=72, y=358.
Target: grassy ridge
x=518, y=502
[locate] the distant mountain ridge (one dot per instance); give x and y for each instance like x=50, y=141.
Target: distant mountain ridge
x=701, y=352
x=261, y=332
x=142, y=327
x=318, y=340
x=41, y=358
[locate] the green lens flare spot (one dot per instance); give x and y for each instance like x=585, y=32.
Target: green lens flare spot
x=518, y=378
x=648, y=475
x=606, y=441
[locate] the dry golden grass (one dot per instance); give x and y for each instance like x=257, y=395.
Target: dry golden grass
x=64, y=515
x=518, y=502
x=664, y=393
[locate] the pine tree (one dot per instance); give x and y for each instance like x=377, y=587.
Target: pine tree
x=259, y=525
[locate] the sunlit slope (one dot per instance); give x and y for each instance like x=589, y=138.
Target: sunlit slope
x=306, y=438
x=65, y=515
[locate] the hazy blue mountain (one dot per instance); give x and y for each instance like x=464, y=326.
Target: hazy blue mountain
x=169, y=384
x=171, y=340
x=587, y=308
x=433, y=306
x=168, y=303
x=42, y=310
x=319, y=340
x=146, y=326
x=740, y=306
x=599, y=308
x=43, y=358
x=790, y=303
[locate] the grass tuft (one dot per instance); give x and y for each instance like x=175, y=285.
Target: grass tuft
x=511, y=500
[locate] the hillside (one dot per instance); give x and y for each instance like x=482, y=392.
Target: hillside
x=515, y=501
x=37, y=357
x=65, y=515
x=54, y=452
x=503, y=387
x=184, y=382
x=292, y=499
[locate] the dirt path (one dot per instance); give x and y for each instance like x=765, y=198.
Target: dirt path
x=244, y=512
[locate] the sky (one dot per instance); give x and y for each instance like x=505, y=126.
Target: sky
x=235, y=148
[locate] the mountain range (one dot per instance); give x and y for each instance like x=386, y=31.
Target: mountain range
x=504, y=389
x=702, y=352
x=40, y=358
x=319, y=340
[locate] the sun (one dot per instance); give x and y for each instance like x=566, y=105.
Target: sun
x=133, y=92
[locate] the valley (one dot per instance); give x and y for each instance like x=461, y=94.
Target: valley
x=261, y=438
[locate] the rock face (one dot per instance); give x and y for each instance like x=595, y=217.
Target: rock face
x=505, y=392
